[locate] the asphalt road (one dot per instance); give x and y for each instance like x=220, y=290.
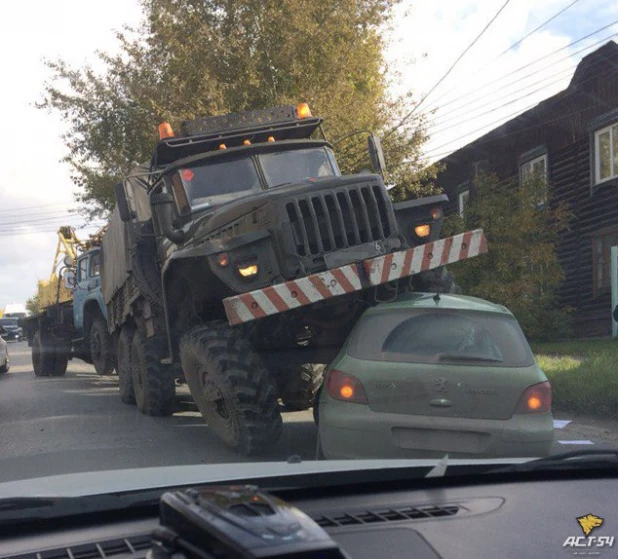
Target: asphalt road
x=78, y=423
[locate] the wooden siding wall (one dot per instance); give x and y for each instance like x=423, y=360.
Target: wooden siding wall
x=562, y=125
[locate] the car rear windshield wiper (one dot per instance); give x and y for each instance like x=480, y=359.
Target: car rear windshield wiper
x=580, y=459
x=455, y=357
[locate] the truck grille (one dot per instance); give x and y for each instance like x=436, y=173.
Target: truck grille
x=336, y=219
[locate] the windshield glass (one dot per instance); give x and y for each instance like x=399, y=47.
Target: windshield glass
x=215, y=183
x=251, y=230
x=433, y=336
x=292, y=166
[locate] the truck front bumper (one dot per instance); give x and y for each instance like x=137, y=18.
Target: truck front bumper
x=353, y=277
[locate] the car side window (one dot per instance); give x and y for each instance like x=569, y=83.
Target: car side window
x=95, y=265
x=82, y=269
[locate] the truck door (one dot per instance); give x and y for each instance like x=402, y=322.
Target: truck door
x=94, y=273
x=81, y=291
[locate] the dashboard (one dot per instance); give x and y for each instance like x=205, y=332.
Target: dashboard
x=539, y=518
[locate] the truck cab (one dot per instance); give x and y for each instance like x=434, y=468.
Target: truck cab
x=87, y=296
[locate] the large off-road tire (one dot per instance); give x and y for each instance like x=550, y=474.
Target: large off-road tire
x=125, y=376
x=232, y=388
x=101, y=347
x=5, y=368
x=48, y=359
x=153, y=382
x=299, y=385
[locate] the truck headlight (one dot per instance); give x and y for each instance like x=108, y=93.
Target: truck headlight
x=248, y=271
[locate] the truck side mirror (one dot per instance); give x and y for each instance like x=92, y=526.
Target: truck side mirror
x=376, y=154
x=68, y=261
x=69, y=280
x=123, y=204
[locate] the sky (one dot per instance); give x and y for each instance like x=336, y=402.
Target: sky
x=483, y=90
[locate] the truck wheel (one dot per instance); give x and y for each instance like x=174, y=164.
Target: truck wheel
x=101, y=347
x=125, y=378
x=300, y=386
x=48, y=360
x=232, y=388
x=153, y=383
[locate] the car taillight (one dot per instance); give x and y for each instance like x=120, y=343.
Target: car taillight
x=535, y=399
x=346, y=387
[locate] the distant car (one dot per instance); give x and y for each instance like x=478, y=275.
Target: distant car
x=13, y=331
x=4, y=354
x=428, y=375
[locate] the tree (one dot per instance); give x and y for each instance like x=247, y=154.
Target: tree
x=32, y=304
x=193, y=58
x=521, y=269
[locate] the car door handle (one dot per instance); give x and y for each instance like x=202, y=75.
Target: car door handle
x=441, y=403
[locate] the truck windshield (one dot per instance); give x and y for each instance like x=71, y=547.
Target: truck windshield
x=216, y=183
x=296, y=165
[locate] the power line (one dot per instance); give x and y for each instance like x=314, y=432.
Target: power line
x=35, y=221
x=5, y=210
x=517, y=70
x=536, y=29
x=518, y=131
x=513, y=46
x=414, y=109
x=592, y=77
x=449, y=123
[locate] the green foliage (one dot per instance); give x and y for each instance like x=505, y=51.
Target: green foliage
x=582, y=375
x=521, y=269
x=201, y=57
x=32, y=304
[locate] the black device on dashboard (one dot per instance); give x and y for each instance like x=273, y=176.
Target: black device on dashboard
x=237, y=522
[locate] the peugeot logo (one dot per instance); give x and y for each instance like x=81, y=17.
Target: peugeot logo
x=441, y=385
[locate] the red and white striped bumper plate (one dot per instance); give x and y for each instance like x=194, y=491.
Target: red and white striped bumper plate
x=353, y=277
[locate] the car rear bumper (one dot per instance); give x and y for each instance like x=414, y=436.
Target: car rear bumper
x=354, y=431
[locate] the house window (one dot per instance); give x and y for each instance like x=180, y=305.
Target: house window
x=601, y=250
x=464, y=195
x=606, y=153
x=534, y=169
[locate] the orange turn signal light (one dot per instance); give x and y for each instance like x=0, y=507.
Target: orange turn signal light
x=303, y=111
x=346, y=391
x=165, y=131
x=436, y=213
x=223, y=259
x=422, y=230
x=222, y=146
x=534, y=403
x=248, y=271
x=246, y=143
x=271, y=138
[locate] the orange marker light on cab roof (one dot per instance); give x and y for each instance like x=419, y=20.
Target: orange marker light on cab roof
x=222, y=146
x=165, y=131
x=271, y=138
x=303, y=110
x=246, y=143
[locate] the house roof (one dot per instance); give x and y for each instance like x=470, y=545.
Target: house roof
x=587, y=68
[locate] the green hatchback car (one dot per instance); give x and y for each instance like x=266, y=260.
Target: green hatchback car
x=428, y=375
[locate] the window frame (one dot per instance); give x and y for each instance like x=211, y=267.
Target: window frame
x=602, y=234
x=85, y=260
x=463, y=198
x=597, y=154
x=531, y=162
x=93, y=258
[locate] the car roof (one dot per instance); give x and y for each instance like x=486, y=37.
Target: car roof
x=418, y=300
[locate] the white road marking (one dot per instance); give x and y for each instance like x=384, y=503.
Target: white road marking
x=561, y=423
x=575, y=442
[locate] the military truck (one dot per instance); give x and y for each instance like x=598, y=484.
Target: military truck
x=72, y=321
x=240, y=254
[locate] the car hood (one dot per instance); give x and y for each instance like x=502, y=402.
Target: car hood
x=141, y=479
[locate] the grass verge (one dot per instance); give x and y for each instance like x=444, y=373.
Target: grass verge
x=583, y=375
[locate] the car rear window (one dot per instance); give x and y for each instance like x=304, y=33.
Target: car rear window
x=441, y=336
